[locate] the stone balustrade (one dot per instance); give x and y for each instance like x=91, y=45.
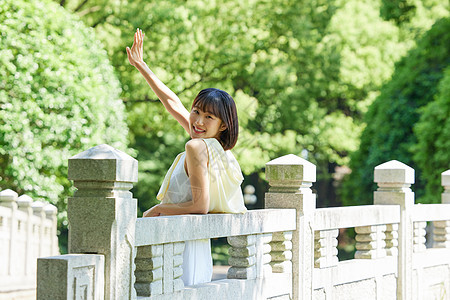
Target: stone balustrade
x=27, y=231
x=160, y=243
x=286, y=251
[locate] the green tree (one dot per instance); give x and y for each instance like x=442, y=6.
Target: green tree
x=432, y=151
x=391, y=118
x=303, y=72
x=58, y=96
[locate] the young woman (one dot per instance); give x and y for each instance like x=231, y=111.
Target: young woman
x=206, y=177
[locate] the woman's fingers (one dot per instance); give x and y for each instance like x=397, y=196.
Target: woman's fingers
x=135, y=53
x=130, y=57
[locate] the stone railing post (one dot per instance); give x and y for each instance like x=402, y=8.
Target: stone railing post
x=102, y=214
x=394, y=180
x=441, y=232
x=290, y=178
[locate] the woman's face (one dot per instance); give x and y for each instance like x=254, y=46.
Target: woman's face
x=204, y=124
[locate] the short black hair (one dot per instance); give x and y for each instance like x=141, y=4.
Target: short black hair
x=222, y=105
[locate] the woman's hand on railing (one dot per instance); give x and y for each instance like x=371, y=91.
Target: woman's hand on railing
x=152, y=212
x=135, y=56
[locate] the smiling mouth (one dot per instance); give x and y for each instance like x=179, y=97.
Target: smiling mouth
x=197, y=130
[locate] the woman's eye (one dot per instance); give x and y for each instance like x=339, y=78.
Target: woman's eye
x=209, y=117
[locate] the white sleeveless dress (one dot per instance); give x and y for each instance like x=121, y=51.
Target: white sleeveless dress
x=197, y=261
x=225, y=178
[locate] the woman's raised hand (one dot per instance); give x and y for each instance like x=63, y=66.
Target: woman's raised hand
x=135, y=53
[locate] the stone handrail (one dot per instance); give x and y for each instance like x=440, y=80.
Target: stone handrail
x=169, y=229
x=355, y=216
x=430, y=212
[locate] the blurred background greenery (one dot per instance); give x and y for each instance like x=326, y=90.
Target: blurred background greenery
x=345, y=84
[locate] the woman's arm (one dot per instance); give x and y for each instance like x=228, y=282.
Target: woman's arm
x=168, y=98
x=197, y=167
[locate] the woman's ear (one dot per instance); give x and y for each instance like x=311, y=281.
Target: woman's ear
x=223, y=127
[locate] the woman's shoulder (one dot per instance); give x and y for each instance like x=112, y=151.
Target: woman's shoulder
x=195, y=144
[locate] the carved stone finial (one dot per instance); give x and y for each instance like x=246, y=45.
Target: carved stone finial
x=394, y=173
x=8, y=196
x=103, y=163
x=290, y=172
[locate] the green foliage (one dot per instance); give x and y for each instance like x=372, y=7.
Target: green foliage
x=390, y=119
x=433, y=137
x=398, y=10
x=58, y=97
x=303, y=73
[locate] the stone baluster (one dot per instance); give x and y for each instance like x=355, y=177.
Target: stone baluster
x=441, y=232
x=370, y=242
x=281, y=252
x=38, y=211
x=249, y=256
x=394, y=180
x=24, y=204
x=242, y=257
x=8, y=199
x=149, y=270
x=263, y=257
x=172, y=261
x=178, y=251
x=102, y=214
x=290, y=178
x=419, y=236
x=50, y=213
x=325, y=248
x=391, y=239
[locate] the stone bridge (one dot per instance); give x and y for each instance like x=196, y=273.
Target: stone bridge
x=286, y=251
